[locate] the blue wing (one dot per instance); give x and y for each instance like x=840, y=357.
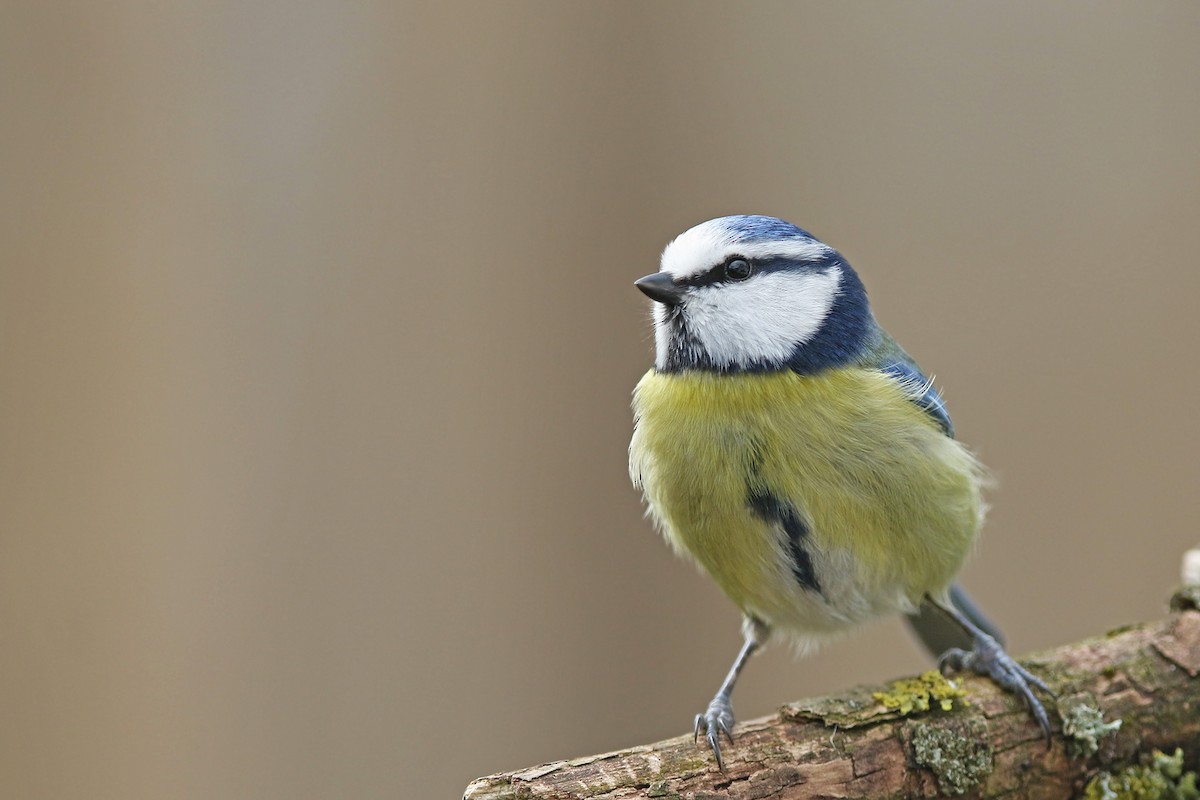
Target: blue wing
x=889, y=358
x=923, y=393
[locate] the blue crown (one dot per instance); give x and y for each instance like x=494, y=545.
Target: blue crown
x=757, y=228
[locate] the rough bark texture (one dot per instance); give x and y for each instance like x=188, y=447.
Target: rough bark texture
x=851, y=745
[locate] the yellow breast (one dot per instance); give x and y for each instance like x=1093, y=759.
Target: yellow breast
x=891, y=504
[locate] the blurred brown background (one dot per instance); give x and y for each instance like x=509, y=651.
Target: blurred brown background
x=318, y=333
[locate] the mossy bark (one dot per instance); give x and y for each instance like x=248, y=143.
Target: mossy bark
x=851, y=745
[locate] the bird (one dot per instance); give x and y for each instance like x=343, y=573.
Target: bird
x=787, y=445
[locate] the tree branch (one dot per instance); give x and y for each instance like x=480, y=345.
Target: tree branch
x=851, y=745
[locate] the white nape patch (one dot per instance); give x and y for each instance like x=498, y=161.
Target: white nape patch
x=761, y=320
x=701, y=248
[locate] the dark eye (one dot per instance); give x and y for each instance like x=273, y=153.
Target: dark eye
x=738, y=269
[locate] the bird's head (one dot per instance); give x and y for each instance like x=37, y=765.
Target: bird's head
x=755, y=294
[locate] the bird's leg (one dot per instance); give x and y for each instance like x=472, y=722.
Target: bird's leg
x=718, y=718
x=986, y=657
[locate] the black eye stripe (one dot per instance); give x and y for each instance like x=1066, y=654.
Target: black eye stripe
x=768, y=264
x=717, y=274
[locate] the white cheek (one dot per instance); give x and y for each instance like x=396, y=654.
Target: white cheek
x=763, y=319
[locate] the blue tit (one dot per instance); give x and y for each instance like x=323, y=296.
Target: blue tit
x=786, y=444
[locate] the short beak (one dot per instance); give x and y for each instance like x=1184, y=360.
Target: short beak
x=661, y=288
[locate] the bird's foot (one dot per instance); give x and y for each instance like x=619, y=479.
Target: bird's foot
x=717, y=720
x=988, y=658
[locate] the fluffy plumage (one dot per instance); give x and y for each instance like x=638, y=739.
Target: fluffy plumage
x=890, y=503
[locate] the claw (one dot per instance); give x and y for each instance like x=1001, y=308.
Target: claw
x=987, y=658
x=714, y=741
x=725, y=729
x=1035, y=680
x=716, y=720
x=954, y=660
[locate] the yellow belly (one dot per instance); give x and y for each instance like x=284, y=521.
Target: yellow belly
x=892, y=505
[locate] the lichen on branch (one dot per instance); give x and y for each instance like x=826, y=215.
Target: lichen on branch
x=1129, y=692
